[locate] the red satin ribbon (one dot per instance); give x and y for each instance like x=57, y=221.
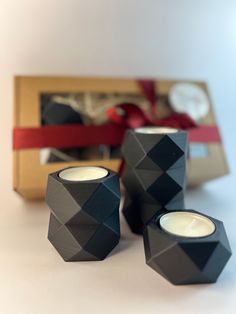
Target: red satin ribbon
x=205, y=134
x=71, y=136
x=67, y=136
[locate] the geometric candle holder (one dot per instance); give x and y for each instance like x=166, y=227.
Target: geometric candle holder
x=154, y=174
x=84, y=222
x=186, y=247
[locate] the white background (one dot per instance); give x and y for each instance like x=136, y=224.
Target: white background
x=161, y=38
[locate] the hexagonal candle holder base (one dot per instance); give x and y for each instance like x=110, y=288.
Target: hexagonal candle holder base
x=186, y=260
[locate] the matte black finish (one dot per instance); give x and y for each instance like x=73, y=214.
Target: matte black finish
x=54, y=113
x=138, y=213
x=183, y=260
x=84, y=223
x=154, y=174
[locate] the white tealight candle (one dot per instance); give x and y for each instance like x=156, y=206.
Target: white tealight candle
x=83, y=173
x=155, y=130
x=187, y=224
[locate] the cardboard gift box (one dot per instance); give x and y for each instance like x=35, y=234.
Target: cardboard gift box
x=61, y=122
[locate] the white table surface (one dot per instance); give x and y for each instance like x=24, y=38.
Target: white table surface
x=174, y=39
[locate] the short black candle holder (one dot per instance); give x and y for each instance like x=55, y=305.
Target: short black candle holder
x=84, y=223
x=154, y=175
x=186, y=260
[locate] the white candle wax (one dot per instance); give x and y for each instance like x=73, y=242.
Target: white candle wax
x=187, y=224
x=83, y=173
x=155, y=130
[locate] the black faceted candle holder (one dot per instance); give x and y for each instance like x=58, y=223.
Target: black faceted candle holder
x=138, y=213
x=155, y=173
x=84, y=222
x=186, y=260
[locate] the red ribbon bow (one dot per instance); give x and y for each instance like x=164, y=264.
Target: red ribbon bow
x=131, y=116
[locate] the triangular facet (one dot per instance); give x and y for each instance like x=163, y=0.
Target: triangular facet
x=132, y=216
x=164, y=189
x=82, y=233
x=178, y=175
x=82, y=192
x=176, y=265
x=165, y=153
x=132, y=183
x=196, y=278
x=102, y=242
x=178, y=198
x=113, y=222
x=157, y=247
x=54, y=225
x=65, y=243
x=217, y=262
x=83, y=256
x=180, y=139
x=148, y=164
x=101, y=204
x=223, y=237
x=176, y=203
x=147, y=177
x=148, y=141
x=60, y=201
x=113, y=184
x=199, y=253
x=132, y=150
x=180, y=163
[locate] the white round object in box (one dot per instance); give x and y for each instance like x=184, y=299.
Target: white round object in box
x=189, y=98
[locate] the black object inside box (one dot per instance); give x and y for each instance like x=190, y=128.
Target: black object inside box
x=58, y=109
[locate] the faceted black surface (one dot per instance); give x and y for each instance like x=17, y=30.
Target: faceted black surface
x=87, y=202
x=84, y=222
x=132, y=149
x=138, y=213
x=166, y=153
x=84, y=242
x=154, y=174
x=164, y=189
x=154, y=186
x=155, y=151
x=183, y=260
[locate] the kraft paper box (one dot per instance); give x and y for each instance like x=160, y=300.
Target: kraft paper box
x=43, y=103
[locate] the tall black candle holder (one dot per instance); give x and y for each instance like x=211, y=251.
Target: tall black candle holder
x=155, y=173
x=186, y=260
x=84, y=222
